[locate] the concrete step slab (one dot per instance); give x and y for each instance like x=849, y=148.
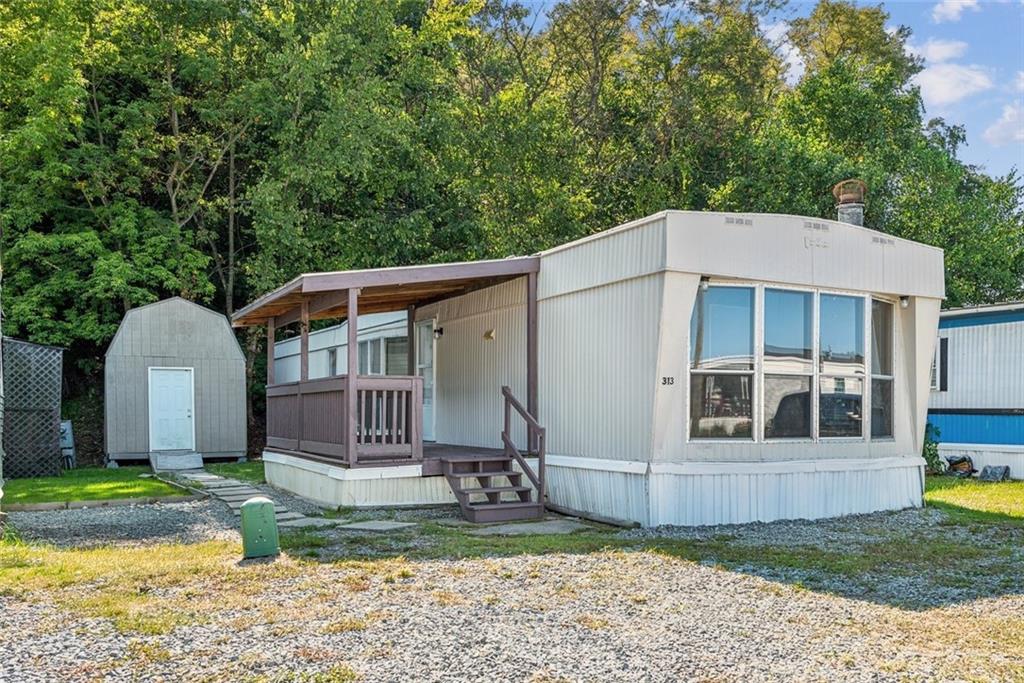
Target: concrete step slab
x=377, y=525
x=305, y=522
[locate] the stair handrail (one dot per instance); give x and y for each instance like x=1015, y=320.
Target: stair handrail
x=535, y=434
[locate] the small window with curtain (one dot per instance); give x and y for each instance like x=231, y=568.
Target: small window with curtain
x=881, y=369
x=722, y=363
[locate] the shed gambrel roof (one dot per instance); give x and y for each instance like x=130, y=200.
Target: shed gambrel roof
x=218, y=320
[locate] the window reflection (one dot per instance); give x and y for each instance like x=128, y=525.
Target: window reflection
x=787, y=407
x=722, y=329
x=720, y=406
x=840, y=407
x=788, y=325
x=841, y=334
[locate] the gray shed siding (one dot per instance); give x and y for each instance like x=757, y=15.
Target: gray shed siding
x=175, y=333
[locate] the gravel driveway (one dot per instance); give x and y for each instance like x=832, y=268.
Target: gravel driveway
x=190, y=522
x=622, y=615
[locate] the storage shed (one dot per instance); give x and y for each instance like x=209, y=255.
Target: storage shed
x=174, y=387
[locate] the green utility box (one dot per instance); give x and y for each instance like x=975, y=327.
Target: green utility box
x=259, y=528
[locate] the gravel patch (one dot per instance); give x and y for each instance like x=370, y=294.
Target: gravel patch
x=597, y=617
x=190, y=522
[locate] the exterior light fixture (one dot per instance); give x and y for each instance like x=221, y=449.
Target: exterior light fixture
x=438, y=332
x=904, y=301
x=489, y=335
x=704, y=283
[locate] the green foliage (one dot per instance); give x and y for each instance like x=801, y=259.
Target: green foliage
x=214, y=149
x=930, y=450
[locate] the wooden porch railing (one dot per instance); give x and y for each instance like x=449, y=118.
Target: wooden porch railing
x=311, y=417
x=536, y=437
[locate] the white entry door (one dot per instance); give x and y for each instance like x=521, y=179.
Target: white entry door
x=171, y=404
x=425, y=369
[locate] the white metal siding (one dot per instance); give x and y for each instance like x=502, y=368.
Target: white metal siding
x=604, y=258
x=802, y=251
x=598, y=358
x=985, y=366
x=470, y=370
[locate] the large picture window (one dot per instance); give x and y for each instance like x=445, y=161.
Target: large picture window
x=768, y=363
x=722, y=364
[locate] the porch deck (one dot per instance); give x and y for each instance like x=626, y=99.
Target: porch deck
x=433, y=454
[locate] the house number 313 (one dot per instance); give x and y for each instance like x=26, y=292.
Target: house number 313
x=668, y=380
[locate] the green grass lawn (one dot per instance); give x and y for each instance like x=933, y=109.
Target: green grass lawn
x=87, y=483
x=251, y=471
x=973, y=500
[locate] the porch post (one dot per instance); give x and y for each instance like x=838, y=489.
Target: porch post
x=304, y=342
x=351, y=398
x=270, y=351
x=531, y=352
x=410, y=335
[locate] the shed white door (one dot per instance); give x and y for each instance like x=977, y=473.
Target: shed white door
x=171, y=426
x=425, y=369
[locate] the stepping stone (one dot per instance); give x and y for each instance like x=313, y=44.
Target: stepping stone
x=287, y=516
x=222, y=484
x=277, y=510
x=243, y=496
x=237, y=505
x=303, y=522
x=376, y=525
x=551, y=526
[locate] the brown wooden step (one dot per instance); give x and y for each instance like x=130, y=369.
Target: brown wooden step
x=496, y=489
x=502, y=512
x=492, y=473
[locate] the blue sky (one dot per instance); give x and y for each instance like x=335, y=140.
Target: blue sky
x=973, y=54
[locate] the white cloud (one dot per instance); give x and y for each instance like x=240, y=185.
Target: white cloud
x=1019, y=83
x=1009, y=128
x=776, y=35
x=939, y=50
x=951, y=10
x=943, y=84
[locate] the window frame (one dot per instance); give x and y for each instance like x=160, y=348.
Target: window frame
x=758, y=373
x=752, y=372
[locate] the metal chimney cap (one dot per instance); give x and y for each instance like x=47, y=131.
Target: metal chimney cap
x=851, y=191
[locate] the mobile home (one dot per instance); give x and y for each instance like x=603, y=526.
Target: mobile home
x=977, y=393
x=685, y=368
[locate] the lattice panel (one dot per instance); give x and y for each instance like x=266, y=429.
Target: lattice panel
x=32, y=384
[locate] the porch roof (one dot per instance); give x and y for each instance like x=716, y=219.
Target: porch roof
x=381, y=289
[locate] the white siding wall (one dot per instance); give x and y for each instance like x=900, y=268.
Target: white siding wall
x=986, y=367
x=598, y=352
x=470, y=370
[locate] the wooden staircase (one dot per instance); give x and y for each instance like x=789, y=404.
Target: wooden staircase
x=490, y=488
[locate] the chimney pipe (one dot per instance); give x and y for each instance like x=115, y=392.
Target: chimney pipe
x=849, y=196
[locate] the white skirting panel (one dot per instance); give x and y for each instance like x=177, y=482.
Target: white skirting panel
x=693, y=494
x=362, y=487
x=982, y=454
x=608, y=488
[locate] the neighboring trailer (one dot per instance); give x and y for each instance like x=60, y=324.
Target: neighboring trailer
x=174, y=385
x=31, y=415
x=977, y=397
x=686, y=368
x=382, y=349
